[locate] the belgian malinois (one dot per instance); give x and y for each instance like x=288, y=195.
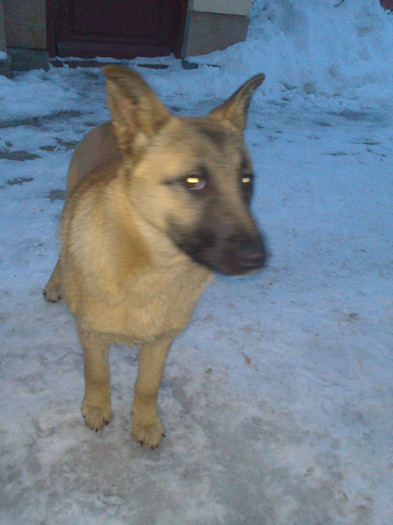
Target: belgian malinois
x=155, y=204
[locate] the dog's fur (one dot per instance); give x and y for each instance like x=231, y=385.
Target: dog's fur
x=155, y=203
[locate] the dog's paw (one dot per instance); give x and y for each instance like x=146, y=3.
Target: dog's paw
x=96, y=417
x=147, y=432
x=52, y=294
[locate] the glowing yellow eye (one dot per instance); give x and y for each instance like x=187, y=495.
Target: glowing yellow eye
x=246, y=180
x=195, y=183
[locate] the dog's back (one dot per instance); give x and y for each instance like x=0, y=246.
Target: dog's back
x=97, y=147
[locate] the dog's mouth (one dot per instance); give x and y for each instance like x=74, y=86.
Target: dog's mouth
x=235, y=255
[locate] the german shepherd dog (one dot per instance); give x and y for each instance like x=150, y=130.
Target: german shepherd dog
x=155, y=204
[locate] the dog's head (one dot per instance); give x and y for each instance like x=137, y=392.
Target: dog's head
x=191, y=178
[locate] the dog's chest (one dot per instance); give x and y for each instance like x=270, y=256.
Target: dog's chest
x=150, y=307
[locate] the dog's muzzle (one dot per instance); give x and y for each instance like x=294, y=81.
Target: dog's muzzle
x=234, y=254
x=241, y=255
x=246, y=257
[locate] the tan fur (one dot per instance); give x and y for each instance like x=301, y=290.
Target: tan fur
x=122, y=276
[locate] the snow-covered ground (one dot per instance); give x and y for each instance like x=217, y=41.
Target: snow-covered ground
x=278, y=398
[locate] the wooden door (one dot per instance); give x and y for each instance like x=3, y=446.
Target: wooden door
x=116, y=28
x=387, y=4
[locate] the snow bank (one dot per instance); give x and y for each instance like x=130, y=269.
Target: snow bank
x=324, y=48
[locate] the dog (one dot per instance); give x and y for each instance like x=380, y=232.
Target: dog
x=155, y=204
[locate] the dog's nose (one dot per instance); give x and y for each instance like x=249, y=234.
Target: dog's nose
x=251, y=256
x=246, y=253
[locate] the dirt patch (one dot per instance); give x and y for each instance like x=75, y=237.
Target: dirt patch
x=36, y=122
x=18, y=155
x=66, y=144
x=57, y=195
x=19, y=181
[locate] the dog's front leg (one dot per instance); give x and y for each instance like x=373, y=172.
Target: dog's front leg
x=147, y=428
x=96, y=405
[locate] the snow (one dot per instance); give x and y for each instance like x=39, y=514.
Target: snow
x=277, y=400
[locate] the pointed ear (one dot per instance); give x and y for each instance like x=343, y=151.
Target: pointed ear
x=137, y=112
x=235, y=108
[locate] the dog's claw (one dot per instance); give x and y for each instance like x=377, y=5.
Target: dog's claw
x=52, y=295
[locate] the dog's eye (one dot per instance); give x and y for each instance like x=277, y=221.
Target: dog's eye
x=247, y=180
x=194, y=182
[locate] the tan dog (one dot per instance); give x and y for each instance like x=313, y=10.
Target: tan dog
x=155, y=203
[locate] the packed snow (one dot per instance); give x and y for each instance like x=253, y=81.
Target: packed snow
x=278, y=398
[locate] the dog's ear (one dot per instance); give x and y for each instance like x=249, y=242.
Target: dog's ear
x=137, y=112
x=235, y=108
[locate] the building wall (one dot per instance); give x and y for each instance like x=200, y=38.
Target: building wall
x=225, y=7
x=25, y=24
x=5, y=64
x=3, y=45
x=215, y=24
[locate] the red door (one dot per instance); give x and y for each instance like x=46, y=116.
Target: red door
x=117, y=28
x=387, y=4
